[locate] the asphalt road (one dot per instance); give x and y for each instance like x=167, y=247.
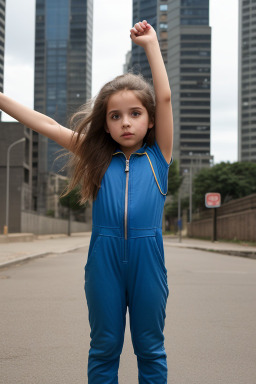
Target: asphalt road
x=210, y=332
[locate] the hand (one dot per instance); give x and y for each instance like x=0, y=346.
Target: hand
x=143, y=34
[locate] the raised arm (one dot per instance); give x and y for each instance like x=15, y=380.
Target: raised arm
x=38, y=122
x=144, y=35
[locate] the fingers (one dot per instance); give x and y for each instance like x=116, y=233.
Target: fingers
x=148, y=26
x=139, y=28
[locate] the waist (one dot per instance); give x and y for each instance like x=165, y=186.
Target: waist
x=119, y=232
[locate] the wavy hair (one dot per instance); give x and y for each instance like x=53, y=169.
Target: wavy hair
x=94, y=147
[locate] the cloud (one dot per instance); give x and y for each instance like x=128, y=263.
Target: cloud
x=20, y=30
x=18, y=79
x=224, y=79
x=112, y=22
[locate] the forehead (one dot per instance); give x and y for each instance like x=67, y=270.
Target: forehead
x=123, y=99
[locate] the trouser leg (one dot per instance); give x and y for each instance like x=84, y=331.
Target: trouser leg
x=148, y=292
x=105, y=294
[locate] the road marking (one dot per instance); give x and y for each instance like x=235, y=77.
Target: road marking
x=235, y=272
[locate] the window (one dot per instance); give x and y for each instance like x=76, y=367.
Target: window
x=195, y=45
x=195, y=37
x=163, y=7
x=193, y=3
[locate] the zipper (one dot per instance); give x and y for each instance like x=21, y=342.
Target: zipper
x=126, y=198
x=127, y=162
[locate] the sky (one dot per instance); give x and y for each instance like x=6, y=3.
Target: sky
x=111, y=41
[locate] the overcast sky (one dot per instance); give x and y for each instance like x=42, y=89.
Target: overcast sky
x=111, y=41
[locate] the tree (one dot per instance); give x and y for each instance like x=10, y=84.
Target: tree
x=174, y=183
x=71, y=202
x=231, y=180
x=174, y=178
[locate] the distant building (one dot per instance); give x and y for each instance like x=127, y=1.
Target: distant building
x=63, y=59
x=247, y=81
x=2, y=44
x=189, y=72
x=155, y=12
x=56, y=185
x=20, y=173
x=127, y=65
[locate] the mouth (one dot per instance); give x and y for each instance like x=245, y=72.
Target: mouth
x=127, y=134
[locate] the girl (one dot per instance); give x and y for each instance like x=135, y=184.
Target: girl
x=122, y=146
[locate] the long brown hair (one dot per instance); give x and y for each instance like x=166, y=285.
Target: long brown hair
x=93, y=145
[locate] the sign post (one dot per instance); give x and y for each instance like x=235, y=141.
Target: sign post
x=213, y=200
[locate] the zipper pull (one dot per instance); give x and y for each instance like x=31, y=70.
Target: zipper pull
x=127, y=166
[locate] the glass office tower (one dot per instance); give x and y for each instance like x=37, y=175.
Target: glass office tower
x=63, y=57
x=143, y=10
x=155, y=12
x=247, y=81
x=189, y=71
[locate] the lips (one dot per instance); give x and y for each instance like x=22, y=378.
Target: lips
x=127, y=134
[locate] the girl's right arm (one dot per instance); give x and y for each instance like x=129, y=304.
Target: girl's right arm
x=38, y=122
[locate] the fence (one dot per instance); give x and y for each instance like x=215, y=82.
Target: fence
x=41, y=225
x=235, y=220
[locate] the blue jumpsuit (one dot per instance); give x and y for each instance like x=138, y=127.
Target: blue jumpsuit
x=126, y=267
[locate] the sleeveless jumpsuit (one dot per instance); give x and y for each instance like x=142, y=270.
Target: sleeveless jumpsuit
x=126, y=267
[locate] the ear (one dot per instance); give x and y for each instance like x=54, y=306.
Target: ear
x=106, y=127
x=151, y=124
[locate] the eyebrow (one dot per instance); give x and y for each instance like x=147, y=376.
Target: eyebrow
x=116, y=110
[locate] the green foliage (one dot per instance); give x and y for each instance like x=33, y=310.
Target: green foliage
x=171, y=209
x=174, y=178
x=50, y=213
x=71, y=200
x=231, y=180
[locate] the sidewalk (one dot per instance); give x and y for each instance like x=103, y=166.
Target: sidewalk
x=14, y=252
x=226, y=248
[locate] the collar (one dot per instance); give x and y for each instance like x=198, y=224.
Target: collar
x=140, y=150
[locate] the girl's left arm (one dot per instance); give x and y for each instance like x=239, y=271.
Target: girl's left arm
x=144, y=35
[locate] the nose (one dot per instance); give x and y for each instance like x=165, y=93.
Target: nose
x=126, y=122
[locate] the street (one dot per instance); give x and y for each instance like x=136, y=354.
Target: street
x=210, y=332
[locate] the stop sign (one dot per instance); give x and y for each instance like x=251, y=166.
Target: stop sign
x=212, y=200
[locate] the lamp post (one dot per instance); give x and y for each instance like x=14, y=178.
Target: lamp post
x=7, y=183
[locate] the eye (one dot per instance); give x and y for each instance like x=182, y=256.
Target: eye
x=136, y=113
x=115, y=116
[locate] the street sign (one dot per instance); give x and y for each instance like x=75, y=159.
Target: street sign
x=212, y=200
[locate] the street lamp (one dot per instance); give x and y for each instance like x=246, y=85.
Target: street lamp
x=7, y=183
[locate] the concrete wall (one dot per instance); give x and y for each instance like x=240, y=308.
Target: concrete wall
x=42, y=225
x=20, y=187
x=235, y=220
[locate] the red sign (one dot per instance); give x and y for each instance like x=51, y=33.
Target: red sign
x=212, y=200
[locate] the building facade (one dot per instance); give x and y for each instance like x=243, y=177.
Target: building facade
x=189, y=72
x=155, y=12
x=247, y=81
x=20, y=173
x=2, y=44
x=63, y=59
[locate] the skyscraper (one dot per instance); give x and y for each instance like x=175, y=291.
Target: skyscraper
x=63, y=56
x=155, y=12
x=247, y=81
x=189, y=71
x=2, y=43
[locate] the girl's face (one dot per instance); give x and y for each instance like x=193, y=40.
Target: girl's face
x=127, y=121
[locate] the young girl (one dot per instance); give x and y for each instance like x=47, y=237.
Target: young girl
x=122, y=146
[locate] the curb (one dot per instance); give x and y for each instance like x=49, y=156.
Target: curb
x=248, y=255
x=34, y=256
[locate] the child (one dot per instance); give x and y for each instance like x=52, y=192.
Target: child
x=122, y=149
